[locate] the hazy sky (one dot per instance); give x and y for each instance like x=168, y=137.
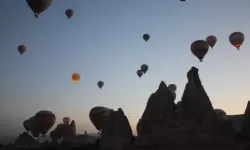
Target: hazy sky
x=103, y=41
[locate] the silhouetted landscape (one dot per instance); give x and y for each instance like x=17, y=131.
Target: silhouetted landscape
x=93, y=65
x=192, y=123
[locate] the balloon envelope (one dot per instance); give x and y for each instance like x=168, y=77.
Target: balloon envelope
x=173, y=87
x=45, y=120
x=199, y=48
x=221, y=114
x=97, y=116
x=146, y=37
x=69, y=13
x=66, y=120
x=139, y=73
x=26, y=126
x=144, y=68
x=237, y=39
x=30, y=124
x=211, y=40
x=38, y=6
x=100, y=84
x=21, y=49
x=76, y=77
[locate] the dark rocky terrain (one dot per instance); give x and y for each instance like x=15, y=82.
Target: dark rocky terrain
x=189, y=125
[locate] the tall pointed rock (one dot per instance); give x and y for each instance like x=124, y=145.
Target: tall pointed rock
x=246, y=121
x=196, y=106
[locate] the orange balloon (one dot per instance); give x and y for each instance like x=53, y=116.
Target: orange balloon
x=76, y=77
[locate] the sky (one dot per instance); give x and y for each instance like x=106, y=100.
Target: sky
x=103, y=41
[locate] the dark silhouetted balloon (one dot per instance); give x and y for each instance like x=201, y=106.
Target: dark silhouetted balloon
x=139, y=73
x=30, y=126
x=199, y=48
x=38, y=6
x=173, y=87
x=144, y=68
x=237, y=39
x=21, y=49
x=221, y=114
x=69, y=13
x=100, y=84
x=26, y=126
x=45, y=120
x=211, y=40
x=146, y=37
x=97, y=116
x=66, y=120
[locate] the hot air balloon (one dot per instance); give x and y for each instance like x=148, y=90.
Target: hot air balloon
x=97, y=116
x=76, y=77
x=26, y=126
x=199, y=48
x=100, y=84
x=30, y=126
x=66, y=120
x=38, y=6
x=144, y=68
x=35, y=133
x=221, y=114
x=236, y=39
x=139, y=73
x=21, y=49
x=45, y=120
x=172, y=90
x=173, y=87
x=178, y=105
x=69, y=13
x=146, y=37
x=211, y=40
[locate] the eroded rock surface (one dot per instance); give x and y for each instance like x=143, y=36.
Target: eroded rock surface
x=159, y=111
x=246, y=122
x=191, y=120
x=116, y=133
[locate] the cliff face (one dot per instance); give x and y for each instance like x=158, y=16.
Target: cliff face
x=192, y=119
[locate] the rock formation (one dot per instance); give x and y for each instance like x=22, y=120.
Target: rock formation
x=116, y=133
x=72, y=128
x=246, y=122
x=192, y=119
x=65, y=131
x=25, y=139
x=196, y=106
x=159, y=111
